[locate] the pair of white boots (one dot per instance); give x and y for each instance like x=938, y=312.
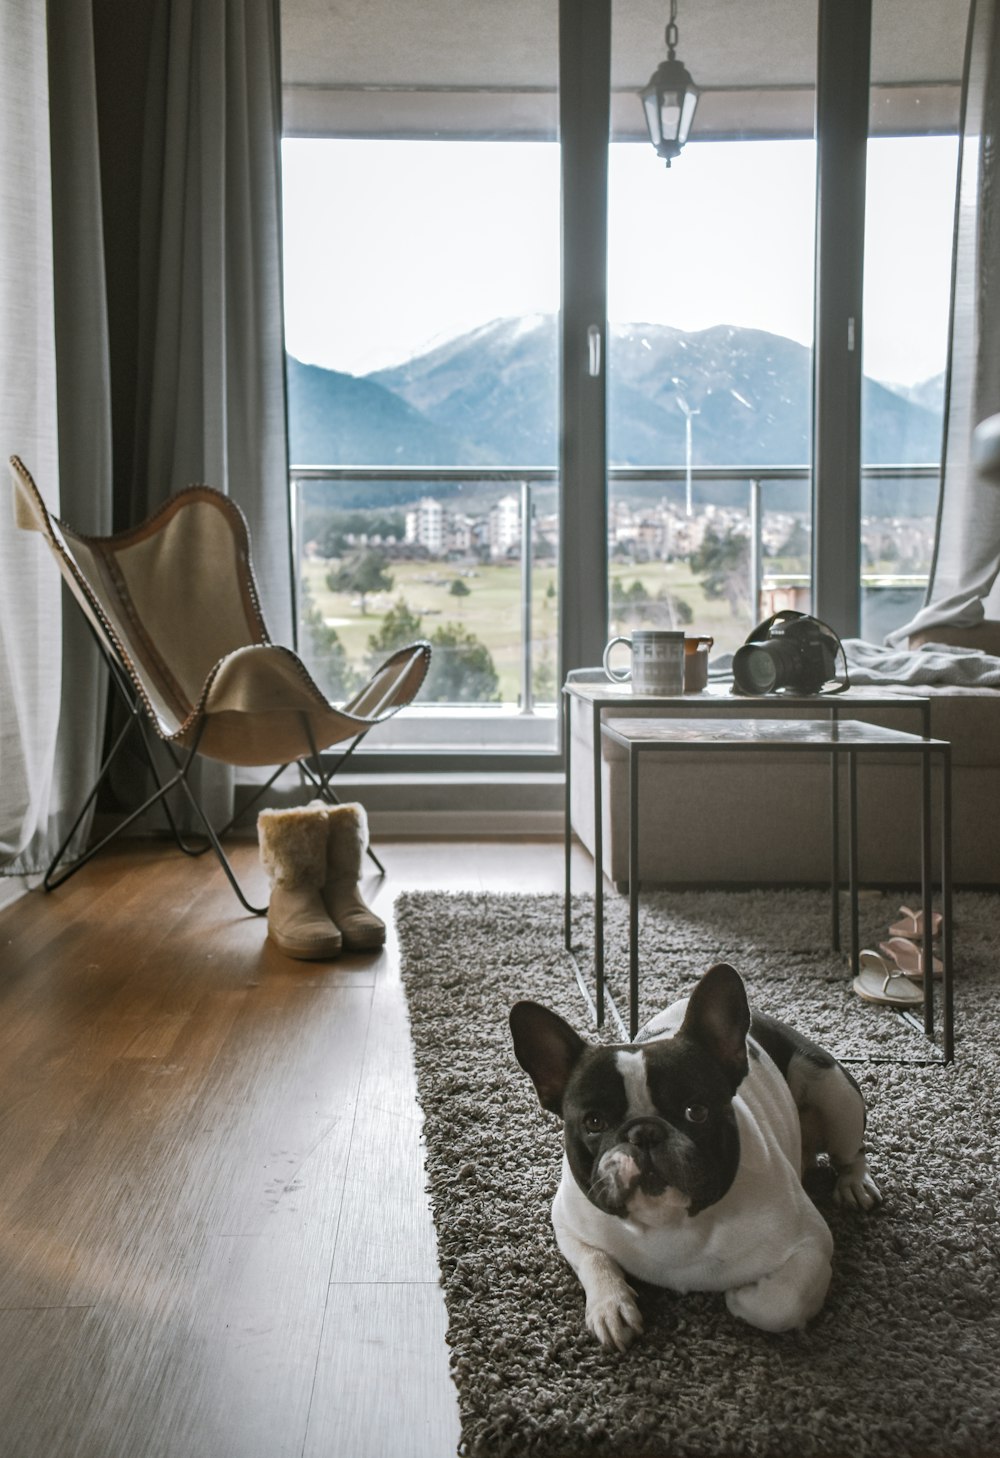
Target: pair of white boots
x=313, y=858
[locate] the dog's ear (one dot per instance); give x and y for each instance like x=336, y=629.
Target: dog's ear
x=547, y=1049
x=718, y=1019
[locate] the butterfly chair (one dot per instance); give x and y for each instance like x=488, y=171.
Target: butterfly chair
x=173, y=605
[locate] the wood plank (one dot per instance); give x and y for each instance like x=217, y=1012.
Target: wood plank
x=399, y=1243
x=214, y=1236
x=379, y=1384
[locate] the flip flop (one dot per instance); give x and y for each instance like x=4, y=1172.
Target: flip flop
x=912, y=925
x=878, y=982
x=908, y=957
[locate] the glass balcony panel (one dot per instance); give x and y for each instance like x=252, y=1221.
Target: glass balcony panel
x=382, y=562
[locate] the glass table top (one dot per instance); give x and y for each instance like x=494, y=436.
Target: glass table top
x=808, y=733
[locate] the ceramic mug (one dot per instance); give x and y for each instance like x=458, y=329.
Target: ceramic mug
x=656, y=665
x=696, y=652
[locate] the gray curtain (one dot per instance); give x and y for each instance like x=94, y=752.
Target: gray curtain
x=964, y=587
x=83, y=398
x=210, y=402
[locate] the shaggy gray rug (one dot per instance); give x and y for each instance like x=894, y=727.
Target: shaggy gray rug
x=904, y=1358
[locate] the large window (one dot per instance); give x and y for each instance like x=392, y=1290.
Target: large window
x=429, y=359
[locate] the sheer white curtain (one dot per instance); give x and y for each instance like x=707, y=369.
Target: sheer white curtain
x=965, y=578
x=30, y=615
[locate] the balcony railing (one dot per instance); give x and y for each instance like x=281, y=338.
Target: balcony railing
x=528, y=480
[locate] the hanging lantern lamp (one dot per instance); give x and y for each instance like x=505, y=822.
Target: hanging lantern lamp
x=669, y=99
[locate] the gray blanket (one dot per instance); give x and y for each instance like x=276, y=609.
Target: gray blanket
x=931, y=663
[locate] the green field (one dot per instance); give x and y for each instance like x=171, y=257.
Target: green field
x=492, y=609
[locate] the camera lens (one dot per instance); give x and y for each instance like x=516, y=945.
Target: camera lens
x=757, y=668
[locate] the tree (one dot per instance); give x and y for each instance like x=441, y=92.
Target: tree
x=670, y=611
x=458, y=588
x=628, y=604
x=543, y=677
x=632, y=606
x=462, y=669
x=797, y=544
x=723, y=563
x=400, y=626
x=362, y=573
x=325, y=655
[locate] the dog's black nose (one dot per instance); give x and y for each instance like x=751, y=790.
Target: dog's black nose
x=645, y=1133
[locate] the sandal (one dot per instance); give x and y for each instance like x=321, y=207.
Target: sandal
x=912, y=925
x=909, y=958
x=878, y=982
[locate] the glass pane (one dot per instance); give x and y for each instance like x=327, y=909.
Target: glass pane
x=710, y=300
x=422, y=286
x=907, y=286
x=909, y=221
x=908, y=243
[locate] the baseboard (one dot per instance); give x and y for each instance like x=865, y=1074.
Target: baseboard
x=11, y=888
x=441, y=805
x=464, y=824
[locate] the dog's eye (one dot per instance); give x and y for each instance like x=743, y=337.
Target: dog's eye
x=696, y=1113
x=594, y=1123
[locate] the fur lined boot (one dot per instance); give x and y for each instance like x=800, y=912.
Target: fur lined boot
x=346, y=844
x=293, y=852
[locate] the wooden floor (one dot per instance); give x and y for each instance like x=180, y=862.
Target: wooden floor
x=214, y=1238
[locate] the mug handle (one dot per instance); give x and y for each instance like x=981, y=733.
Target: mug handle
x=626, y=673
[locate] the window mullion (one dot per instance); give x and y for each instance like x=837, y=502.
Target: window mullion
x=584, y=118
x=842, y=102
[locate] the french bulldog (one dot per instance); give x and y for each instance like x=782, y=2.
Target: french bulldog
x=684, y=1154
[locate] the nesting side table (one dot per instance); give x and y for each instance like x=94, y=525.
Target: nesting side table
x=841, y=738
x=596, y=694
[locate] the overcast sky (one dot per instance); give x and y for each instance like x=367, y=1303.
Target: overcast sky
x=392, y=247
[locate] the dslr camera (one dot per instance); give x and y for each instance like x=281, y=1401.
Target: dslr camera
x=789, y=651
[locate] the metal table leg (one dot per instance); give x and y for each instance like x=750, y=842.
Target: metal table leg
x=567, y=832
x=947, y=982
x=835, y=852
x=633, y=892
x=927, y=946
x=852, y=855
x=598, y=870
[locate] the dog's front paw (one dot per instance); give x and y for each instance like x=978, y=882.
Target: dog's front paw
x=855, y=1189
x=614, y=1317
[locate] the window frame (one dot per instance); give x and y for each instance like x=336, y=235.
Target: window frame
x=843, y=99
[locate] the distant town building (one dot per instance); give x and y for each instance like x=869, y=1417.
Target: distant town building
x=505, y=526
x=426, y=526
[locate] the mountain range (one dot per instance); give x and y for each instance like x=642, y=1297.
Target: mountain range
x=490, y=397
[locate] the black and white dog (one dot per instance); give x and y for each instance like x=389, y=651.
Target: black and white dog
x=684, y=1154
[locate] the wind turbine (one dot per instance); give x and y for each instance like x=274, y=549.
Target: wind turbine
x=688, y=413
